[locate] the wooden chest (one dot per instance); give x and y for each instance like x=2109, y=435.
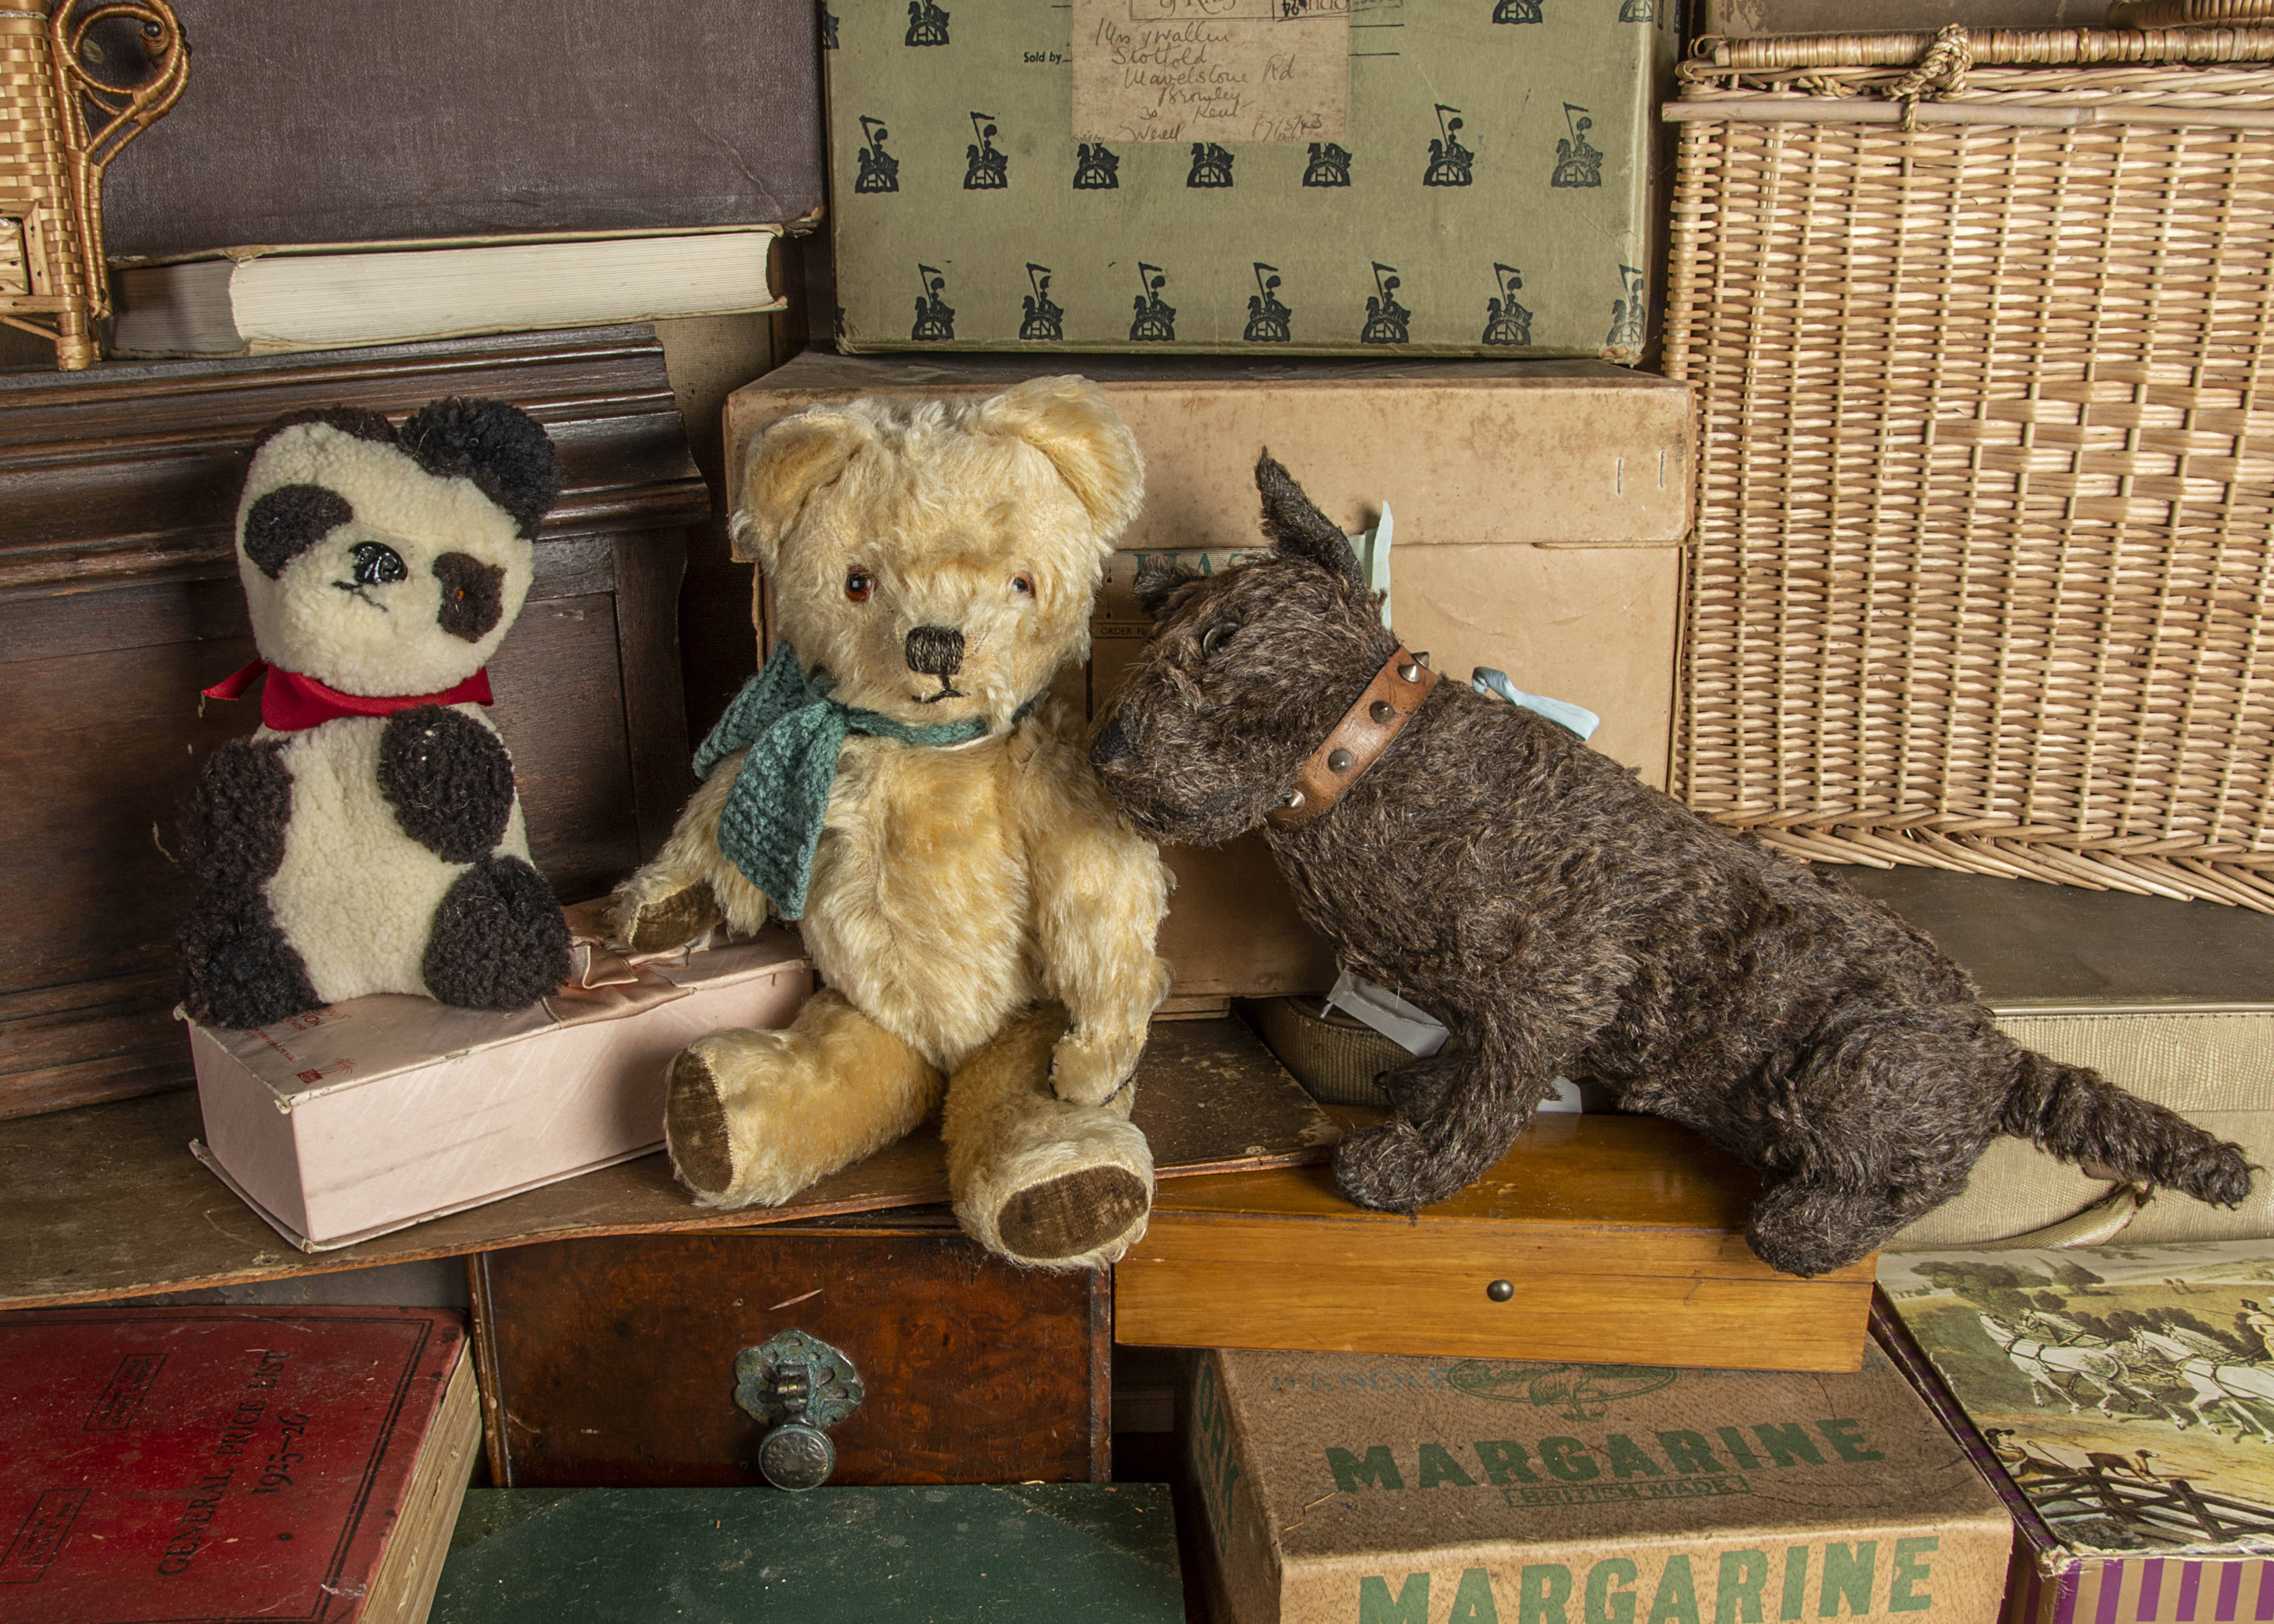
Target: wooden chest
x=1599, y=1239
x=119, y=601
x=610, y=1362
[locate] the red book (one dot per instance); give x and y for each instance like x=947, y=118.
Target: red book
x=230, y=1463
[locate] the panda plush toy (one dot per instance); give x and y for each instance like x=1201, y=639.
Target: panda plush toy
x=367, y=838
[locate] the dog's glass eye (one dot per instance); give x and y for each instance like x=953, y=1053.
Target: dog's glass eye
x=858, y=585
x=1023, y=585
x=1212, y=639
x=376, y=564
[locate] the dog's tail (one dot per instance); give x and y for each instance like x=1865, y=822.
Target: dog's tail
x=2080, y=1116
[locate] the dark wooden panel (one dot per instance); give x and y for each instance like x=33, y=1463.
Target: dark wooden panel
x=611, y=1362
x=137, y=1215
x=560, y=706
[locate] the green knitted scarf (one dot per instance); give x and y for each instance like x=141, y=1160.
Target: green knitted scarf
x=794, y=731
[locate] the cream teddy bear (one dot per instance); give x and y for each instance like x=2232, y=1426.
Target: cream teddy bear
x=898, y=782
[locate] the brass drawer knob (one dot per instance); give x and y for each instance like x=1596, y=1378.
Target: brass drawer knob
x=798, y=1386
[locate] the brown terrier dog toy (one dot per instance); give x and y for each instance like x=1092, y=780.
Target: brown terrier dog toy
x=1562, y=918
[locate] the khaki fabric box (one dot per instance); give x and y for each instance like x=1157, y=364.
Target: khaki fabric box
x=1388, y=1491
x=2172, y=1000
x=1298, y=177
x=1539, y=512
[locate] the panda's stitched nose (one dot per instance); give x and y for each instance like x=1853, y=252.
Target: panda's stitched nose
x=935, y=650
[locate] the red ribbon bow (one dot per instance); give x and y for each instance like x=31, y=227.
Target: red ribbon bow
x=290, y=701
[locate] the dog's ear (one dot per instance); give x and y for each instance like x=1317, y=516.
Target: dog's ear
x=1069, y=420
x=794, y=461
x=1298, y=529
x=1158, y=577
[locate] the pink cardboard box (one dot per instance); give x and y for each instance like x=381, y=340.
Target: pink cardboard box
x=370, y=1115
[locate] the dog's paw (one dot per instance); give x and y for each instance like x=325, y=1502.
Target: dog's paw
x=1089, y=1069
x=1389, y=1168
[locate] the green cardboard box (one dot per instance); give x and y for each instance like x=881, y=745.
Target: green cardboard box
x=1443, y=177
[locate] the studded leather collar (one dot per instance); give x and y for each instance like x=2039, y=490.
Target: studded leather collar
x=1358, y=740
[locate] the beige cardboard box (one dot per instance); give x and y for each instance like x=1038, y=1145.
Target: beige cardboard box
x=1540, y=508
x=372, y=1115
x=1343, y=1489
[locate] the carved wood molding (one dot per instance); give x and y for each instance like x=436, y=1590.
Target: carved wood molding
x=127, y=473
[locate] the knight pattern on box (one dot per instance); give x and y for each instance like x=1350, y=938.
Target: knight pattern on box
x=1269, y=321
x=1042, y=319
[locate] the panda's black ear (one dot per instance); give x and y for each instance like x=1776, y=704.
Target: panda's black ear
x=501, y=448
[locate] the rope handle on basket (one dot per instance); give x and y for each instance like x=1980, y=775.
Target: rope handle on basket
x=1939, y=73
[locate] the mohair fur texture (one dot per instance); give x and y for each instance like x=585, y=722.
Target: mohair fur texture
x=1562, y=918
x=983, y=919
x=385, y=851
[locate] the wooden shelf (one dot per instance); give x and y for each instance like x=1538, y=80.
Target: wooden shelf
x=105, y=1201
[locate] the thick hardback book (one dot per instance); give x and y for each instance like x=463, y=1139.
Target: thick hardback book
x=430, y=118
x=253, y=301
x=2121, y=1402
x=230, y=1464
x=1030, y=1554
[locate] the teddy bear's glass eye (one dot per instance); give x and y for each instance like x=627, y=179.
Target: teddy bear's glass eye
x=1023, y=584
x=858, y=585
x=1214, y=637
x=377, y=564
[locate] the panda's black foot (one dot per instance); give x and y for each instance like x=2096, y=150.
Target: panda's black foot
x=499, y=940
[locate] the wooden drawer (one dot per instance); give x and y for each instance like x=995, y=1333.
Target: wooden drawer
x=610, y=1362
x=1599, y=1239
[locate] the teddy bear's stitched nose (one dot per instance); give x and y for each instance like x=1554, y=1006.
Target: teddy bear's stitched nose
x=935, y=651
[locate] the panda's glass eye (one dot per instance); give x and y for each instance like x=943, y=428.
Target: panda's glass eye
x=1213, y=639
x=858, y=585
x=1023, y=584
x=376, y=564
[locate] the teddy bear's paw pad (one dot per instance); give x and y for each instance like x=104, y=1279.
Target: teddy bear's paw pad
x=1073, y=1215
x=669, y=920
x=695, y=1126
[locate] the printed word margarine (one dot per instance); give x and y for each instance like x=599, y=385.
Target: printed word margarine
x=1734, y=1585
x=1686, y=1463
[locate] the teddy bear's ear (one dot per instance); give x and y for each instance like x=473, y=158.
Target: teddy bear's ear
x=1296, y=526
x=793, y=461
x=501, y=448
x=1070, y=421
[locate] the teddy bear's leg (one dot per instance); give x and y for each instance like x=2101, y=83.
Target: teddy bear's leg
x=238, y=969
x=688, y=886
x=1043, y=1180
x=756, y=1117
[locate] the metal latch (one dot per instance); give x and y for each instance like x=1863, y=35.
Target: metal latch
x=798, y=1386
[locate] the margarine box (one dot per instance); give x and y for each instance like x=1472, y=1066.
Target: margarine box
x=1349, y=1489
x=1263, y=176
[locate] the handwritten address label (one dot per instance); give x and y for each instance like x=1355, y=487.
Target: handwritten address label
x=1210, y=71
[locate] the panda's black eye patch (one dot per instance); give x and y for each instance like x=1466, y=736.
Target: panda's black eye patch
x=290, y=520
x=377, y=564
x=473, y=596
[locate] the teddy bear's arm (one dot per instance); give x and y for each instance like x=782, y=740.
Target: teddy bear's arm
x=1100, y=891
x=690, y=886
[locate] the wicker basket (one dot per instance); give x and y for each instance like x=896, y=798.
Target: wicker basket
x=52, y=277
x=1979, y=331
